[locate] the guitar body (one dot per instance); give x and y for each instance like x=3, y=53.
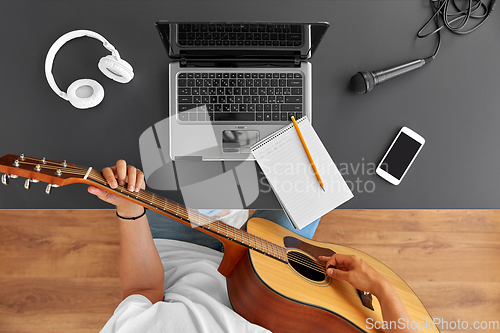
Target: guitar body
x=284, y=298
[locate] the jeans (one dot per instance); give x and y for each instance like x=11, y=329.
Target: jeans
x=164, y=227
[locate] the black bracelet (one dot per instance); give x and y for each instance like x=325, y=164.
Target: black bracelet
x=132, y=218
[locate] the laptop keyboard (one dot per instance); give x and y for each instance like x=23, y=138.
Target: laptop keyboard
x=240, y=35
x=232, y=96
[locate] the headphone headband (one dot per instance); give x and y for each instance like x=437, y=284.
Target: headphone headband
x=49, y=60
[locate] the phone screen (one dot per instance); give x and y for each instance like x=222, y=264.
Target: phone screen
x=400, y=156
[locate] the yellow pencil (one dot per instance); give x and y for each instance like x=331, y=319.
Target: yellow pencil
x=307, y=153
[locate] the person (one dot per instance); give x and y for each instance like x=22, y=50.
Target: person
x=170, y=283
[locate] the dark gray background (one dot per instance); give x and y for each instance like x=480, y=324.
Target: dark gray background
x=453, y=102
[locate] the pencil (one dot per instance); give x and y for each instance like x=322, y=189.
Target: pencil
x=307, y=152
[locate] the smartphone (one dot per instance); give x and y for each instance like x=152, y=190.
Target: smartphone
x=400, y=156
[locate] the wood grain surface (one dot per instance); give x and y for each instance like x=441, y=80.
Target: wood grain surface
x=450, y=258
x=59, y=268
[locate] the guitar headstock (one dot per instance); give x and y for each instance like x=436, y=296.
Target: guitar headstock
x=40, y=169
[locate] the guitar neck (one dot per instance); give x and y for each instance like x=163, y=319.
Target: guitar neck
x=60, y=174
x=194, y=217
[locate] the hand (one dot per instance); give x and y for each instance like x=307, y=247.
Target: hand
x=364, y=277
x=121, y=174
x=354, y=270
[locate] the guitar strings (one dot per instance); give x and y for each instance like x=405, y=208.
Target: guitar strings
x=76, y=171
x=99, y=178
x=246, y=238
x=311, y=264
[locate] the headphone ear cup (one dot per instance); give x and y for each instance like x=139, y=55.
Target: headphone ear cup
x=118, y=70
x=85, y=93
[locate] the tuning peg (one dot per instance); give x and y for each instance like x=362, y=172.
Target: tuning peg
x=27, y=183
x=49, y=187
x=5, y=178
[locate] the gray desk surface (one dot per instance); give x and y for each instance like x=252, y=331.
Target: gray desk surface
x=454, y=102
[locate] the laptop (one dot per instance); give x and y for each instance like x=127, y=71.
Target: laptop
x=233, y=83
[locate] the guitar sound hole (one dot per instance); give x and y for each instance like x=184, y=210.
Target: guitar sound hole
x=306, y=266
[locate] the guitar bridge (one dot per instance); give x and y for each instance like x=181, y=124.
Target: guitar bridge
x=366, y=299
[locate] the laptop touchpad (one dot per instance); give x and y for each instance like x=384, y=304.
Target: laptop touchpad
x=234, y=141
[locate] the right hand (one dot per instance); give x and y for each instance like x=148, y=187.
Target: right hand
x=356, y=271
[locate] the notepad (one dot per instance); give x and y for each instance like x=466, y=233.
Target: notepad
x=284, y=162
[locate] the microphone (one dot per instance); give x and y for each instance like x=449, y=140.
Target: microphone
x=363, y=82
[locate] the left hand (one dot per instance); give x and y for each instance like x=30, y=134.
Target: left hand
x=121, y=174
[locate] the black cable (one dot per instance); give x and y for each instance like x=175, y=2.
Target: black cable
x=428, y=59
x=476, y=10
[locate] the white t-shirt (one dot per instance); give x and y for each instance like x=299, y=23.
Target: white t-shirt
x=195, y=297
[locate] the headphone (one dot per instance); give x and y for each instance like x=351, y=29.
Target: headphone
x=87, y=93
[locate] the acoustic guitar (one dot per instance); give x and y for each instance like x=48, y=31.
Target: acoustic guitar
x=273, y=276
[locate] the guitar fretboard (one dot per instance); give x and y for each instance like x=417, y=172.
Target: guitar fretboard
x=194, y=217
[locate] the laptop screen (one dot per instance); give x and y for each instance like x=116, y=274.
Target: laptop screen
x=245, y=41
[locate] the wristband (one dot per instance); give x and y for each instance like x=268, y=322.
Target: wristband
x=131, y=218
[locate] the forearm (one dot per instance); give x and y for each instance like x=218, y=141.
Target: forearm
x=141, y=270
x=393, y=309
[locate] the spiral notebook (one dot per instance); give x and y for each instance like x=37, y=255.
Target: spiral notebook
x=284, y=162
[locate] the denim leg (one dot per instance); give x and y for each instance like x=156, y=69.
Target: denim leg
x=279, y=217
x=164, y=227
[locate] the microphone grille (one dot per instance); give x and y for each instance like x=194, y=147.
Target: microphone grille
x=361, y=83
